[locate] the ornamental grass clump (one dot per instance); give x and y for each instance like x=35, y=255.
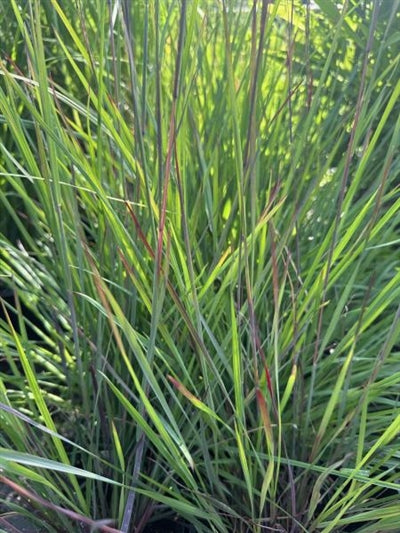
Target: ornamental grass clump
x=199, y=266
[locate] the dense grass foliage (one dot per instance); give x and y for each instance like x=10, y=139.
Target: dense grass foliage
x=199, y=265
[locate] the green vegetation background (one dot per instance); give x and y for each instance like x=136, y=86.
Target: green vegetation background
x=199, y=265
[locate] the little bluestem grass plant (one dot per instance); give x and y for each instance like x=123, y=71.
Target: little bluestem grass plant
x=199, y=268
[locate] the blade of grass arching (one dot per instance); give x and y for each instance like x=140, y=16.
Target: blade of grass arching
x=7, y=457
x=12, y=429
x=386, y=520
x=340, y=508
x=15, y=84
x=316, y=491
x=194, y=400
x=16, y=414
x=19, y=471
x=361, y=475
x=39, y=400
x=376, y=222
x=345, y=496
x=390, y=522
x=49, y=490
